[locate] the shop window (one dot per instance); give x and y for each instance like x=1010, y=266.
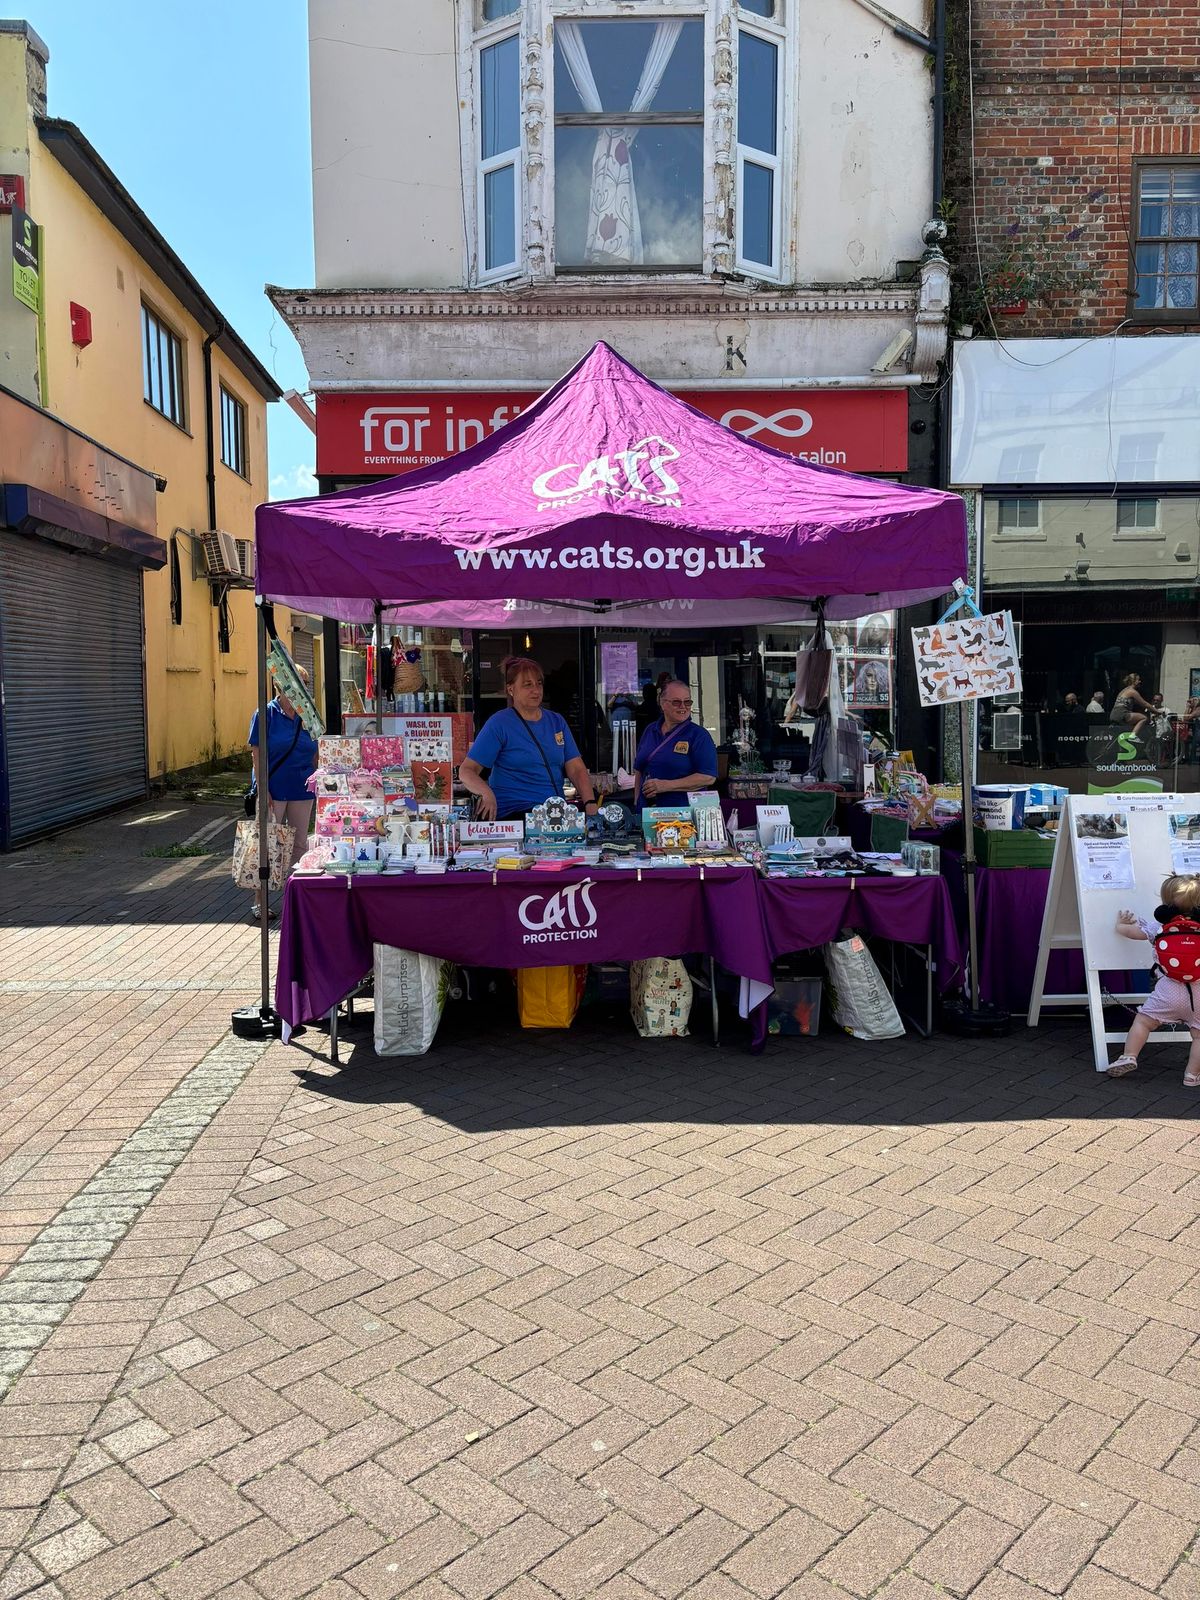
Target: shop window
x=759, y=138
x=233, y=434
x=1138, y=519
x=1166, y=251
x=498, y=186
x=162, y=368
x=1019, y=518
x=629, y=145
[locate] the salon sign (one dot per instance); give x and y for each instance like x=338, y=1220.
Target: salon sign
x=857, y=430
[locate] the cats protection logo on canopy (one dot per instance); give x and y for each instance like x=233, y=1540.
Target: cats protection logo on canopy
x=639, y=473
x=566, y=915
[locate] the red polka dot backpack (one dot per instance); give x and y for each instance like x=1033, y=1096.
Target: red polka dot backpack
x=1178, y=949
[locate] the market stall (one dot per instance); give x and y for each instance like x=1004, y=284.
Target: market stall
x=608, y=497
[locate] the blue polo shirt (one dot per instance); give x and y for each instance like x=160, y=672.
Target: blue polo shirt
x=519, y=778
x=689, y=749
x=288, y=780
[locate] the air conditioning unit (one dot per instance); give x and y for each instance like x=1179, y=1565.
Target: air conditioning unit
x=1006, y=731
x=245, y=555
x=220, y=555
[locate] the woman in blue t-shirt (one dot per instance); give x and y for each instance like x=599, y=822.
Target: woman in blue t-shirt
x=676, y=754
x=291, y=758
x=527, y=749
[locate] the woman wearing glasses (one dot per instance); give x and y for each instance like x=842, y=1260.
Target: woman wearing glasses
x=675, y=754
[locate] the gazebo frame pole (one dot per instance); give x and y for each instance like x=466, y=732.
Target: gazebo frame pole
x=259, y=1022
x=379, y=666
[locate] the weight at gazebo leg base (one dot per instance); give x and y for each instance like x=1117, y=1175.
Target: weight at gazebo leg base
x=255, y=1022
x=975, y=1022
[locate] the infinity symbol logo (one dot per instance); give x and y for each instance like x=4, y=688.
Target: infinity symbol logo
x=776, y=424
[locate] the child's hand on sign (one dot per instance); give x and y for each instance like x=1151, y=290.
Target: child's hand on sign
x=1129, y=926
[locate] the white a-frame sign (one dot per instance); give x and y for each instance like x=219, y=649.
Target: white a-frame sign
x=1112, y=854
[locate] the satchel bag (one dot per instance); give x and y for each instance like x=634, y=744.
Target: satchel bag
x=280, y=838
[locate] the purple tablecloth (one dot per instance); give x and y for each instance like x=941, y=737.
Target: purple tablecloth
x=1009, y=906
x=801, y=913
x=512, y=919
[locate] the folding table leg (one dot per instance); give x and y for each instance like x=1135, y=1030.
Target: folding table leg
x=712, y=992
x=333, y=1036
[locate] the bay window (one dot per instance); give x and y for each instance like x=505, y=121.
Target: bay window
x=609, y=144
x=629, y=144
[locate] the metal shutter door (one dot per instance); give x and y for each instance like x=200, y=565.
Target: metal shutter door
x=74, y=695
x=302, y=651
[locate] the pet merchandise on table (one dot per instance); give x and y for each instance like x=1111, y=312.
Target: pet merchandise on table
x=410, y=995
x=660, y=997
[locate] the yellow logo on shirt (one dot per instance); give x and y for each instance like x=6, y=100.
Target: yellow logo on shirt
x=558, y=738
x=681, y=749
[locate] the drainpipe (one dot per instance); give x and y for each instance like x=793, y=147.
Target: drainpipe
x=210, y=470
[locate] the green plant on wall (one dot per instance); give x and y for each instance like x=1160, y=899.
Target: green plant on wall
x=1029, y=264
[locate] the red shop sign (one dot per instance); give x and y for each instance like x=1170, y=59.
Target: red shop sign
x=860, y=430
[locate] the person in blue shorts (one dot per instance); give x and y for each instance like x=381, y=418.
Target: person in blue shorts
x=675, y=753
x=526, y=750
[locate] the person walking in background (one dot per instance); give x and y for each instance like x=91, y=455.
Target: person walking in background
x=291, y=759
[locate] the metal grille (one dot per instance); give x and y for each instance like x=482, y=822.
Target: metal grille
x=302, y=651
x=74, y=697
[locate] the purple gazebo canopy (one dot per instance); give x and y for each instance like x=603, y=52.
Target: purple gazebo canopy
x=610, y=493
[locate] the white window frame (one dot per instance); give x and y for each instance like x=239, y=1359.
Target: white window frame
x=535, y=163
x=1137, y=532
x=1021, y=531
x=772, y=31
x=487, y=37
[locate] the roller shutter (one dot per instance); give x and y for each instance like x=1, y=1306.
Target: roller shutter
x=302, y=651
x=74, y=692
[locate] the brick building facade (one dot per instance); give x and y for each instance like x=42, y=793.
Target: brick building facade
x=1057, y=113
x=1073, y=189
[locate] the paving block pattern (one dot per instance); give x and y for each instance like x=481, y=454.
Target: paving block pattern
x=547, y=1317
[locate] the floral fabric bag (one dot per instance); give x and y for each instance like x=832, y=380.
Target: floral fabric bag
x=280, y=838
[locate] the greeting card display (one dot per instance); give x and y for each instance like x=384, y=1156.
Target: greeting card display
x=339, y=816
x=338, y=754
x=969, y=658
x=432, y=781
x=381, y=750
x=427, y=738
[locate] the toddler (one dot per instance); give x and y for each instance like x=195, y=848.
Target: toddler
x=1171, y=1000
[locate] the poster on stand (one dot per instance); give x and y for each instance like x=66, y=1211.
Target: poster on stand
x=619, y=667
x=1103, y=857
x=967, y=658
x=1185, y=842
x=869, y=684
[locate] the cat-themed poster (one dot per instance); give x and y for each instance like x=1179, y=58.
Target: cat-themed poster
x=967, y=658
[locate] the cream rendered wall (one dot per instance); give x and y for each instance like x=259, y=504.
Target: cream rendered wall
x=387, y=191
x=387, y=178
x=18, y=325
x=198, y=700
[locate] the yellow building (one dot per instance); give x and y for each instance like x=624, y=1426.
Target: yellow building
x=132, y=424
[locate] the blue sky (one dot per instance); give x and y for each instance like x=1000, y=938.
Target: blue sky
x=201, y=109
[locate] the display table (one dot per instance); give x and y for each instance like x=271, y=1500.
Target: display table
x=804, y=913
x=1009, y=902
x=515, y=919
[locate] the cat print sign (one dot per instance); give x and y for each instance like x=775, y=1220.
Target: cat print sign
x=969, y=658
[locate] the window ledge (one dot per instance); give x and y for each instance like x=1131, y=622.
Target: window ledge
x=149, y=404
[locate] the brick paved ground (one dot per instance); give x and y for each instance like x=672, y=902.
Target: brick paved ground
x=567, y=1316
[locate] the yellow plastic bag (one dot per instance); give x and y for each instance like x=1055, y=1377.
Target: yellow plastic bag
x=548, y=997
